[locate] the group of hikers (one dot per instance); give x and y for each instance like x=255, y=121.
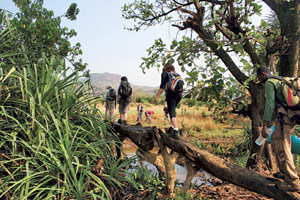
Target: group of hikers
x=171, y=83
x=276, y=112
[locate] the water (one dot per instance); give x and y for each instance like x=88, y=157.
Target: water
x=200, y=178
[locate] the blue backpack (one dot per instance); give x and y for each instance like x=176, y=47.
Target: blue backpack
x=175, y=82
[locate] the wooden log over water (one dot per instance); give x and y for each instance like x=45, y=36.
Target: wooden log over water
x=210, y=163
x=143, y=137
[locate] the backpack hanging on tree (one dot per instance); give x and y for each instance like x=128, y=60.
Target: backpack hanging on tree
x=175, y=82
x=125, y=90
x=111, y=95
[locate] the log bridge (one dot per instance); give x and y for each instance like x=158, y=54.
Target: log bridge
x=195, y=159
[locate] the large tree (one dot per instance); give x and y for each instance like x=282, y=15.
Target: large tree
x=230, y=42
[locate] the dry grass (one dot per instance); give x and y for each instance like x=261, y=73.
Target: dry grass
x=197, y=121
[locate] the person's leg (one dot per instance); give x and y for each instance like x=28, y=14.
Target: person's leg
x=171, y=102
x=121, y=110
x=111, y=109
x=147, y=116
x=106, y=110
x=141, y=116
x=174, y=123
x=282, y=149
x=125, y=110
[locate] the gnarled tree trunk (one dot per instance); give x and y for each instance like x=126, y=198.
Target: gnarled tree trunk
x=208, y=162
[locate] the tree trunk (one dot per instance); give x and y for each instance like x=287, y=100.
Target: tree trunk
x=210, y=163
x=257, y=107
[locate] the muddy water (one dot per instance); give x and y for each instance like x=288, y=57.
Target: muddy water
x=201, y=178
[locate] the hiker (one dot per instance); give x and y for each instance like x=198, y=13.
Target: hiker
x=140, y=110
x=124, y=98
x=166, y=114
x=281, y=138
x=173, y=96
x=148, y=114
x=110, y=102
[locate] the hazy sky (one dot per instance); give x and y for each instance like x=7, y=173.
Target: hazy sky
x=106, y=45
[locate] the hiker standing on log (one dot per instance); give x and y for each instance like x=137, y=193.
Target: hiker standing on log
x=281, y=138
x=124, y=99
x=173, y=86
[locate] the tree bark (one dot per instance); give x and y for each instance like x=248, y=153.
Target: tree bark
x=208, y=162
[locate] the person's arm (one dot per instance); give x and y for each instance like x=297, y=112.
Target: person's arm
x=158, y=94
x=269, y=106
x=162, y=86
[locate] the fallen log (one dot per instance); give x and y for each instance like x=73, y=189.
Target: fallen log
x=145, y=137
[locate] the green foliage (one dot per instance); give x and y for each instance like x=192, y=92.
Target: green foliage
x=217, y=149
x=218, y=37
x=52, y=135
x=40, y=32
x=72, y=12
x=146, y=180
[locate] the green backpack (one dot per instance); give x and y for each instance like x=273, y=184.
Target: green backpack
x=290, y=90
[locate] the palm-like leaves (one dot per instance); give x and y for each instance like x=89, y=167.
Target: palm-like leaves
x=51, y=134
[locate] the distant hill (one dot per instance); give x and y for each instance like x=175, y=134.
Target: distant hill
x=101, y=80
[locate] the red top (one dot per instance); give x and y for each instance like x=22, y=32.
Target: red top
x=149, y=112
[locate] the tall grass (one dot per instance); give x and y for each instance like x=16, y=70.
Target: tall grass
x=52, y=135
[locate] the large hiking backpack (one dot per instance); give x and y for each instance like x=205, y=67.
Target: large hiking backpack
x=290, y=90
x=111, y=95
x=175, y=82
x=291, y=94
x=125, y=89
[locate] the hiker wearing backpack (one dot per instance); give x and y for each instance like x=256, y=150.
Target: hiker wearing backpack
x=110, y=102
x=140, y=110
x=277, y=108
x=173, y=86
x=124, y=98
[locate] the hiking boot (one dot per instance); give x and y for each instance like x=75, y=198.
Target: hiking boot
x=279, y=175
x=288, y=187
x=170, y=132
x=176, y=135
x=120, y=121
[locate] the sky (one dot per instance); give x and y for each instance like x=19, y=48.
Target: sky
x=106, y=45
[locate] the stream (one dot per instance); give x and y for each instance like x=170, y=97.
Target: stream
x=201, y=178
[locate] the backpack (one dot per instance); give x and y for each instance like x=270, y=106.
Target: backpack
x=125, y=90
x=111, y=95
x=290, y=90
x=175, y=82
x=140, y=108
